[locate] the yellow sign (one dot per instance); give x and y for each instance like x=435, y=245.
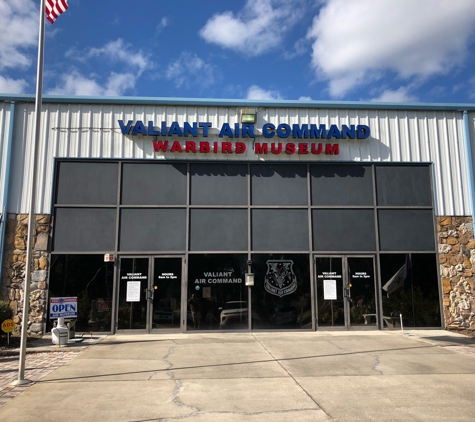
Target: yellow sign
x=8, y=326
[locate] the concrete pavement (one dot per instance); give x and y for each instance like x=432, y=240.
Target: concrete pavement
x=318, y=376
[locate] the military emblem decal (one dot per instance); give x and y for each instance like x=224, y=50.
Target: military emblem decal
x=280, y=279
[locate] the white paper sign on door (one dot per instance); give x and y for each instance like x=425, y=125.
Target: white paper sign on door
x=133, y=291
x=329, y=289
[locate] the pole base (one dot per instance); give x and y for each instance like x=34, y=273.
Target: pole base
x=21, y=382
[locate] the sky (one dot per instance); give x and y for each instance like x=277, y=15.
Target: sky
x=338, y=50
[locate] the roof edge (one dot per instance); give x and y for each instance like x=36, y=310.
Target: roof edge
x=214, y=102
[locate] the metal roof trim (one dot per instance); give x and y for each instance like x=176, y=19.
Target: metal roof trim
x=214, y=102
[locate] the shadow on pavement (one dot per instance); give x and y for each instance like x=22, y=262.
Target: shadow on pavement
x=233, y=364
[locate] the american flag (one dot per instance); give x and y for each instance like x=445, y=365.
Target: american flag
x=54, y=8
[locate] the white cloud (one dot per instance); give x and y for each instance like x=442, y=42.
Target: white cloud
x=161, y=25
x=257, y=93
x=354, y=42
x=255, y=30
x=18, y=32
x=116, y=51
x=399, y=95
x=12, y=86
x=133, y=63
x=304, y=98
x=74, y=83
x=189, y=70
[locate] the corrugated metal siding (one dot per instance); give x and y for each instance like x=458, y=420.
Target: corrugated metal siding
x=92, y=131
x=4, y=134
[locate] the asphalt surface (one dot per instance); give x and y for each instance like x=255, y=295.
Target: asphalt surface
x=319, y=376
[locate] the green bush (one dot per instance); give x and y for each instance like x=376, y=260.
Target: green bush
x=5, y=311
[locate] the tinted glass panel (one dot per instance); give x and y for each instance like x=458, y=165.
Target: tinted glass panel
x=218, y=230
x=90, y=279
x=343, y=230
x=410, y=288
x=279, y=184
x=154, y=184
x=403, y=185
x=87, y=183
x=84, y=229
x=281, y=296
x=167, y=293
x=217, y=294
x=152, y=229
x=341, y=185
x=280, y=230
x=218, y=184
x=362, y=292
x=401, y=230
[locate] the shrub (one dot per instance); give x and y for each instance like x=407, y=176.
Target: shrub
x=5, y=311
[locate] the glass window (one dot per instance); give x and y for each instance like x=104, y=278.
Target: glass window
x=410, y=288
x=403, y=185
x=87, y=183
x=343, y=230
x=406, y=230
x=281, y=296
x=150, y=229
x=153, y=184
x=84, y=229
x=341, y=185
x=217, y=295
x=279, y=184
x=218, y=184
x=90, y=279
x=284, y=230
x=218, y=229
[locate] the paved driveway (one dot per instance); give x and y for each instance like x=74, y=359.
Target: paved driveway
x=356, y=376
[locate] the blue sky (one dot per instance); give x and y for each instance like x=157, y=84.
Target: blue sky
x=356, y=50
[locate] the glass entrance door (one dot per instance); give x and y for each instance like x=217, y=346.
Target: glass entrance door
x=345, y=290
x=134, y=292
x=331, y=304
x=166, y=293
x=149, y=293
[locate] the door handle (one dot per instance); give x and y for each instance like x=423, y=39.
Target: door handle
x=150, y=294
x=346, y=292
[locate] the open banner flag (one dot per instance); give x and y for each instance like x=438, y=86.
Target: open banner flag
x=54, y=8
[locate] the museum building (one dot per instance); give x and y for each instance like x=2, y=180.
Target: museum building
x=205, y=214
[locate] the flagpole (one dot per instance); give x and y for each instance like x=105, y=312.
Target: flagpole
x=31, y=215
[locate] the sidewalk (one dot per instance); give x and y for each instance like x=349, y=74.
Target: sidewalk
x=42, y=358
x=257, y=377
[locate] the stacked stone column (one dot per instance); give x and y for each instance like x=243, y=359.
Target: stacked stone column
x=13, y=273
x=457, y=271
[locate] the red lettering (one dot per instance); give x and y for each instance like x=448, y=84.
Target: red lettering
x=303, y=148
x=290, y=148
x=176, y=147
x=315, y=150
x=332, y=150
x=227, y=148
x=204, y=146
x=240, y=148
x=190, y=146
x=160, y=145
x=274, y=150
x=215, y=147
x=261, y=148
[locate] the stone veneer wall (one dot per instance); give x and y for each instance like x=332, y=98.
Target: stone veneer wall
x=457, y=271
x=13, y=272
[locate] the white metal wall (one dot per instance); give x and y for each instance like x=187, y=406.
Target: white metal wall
x=4, y=135
x=92, y=131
